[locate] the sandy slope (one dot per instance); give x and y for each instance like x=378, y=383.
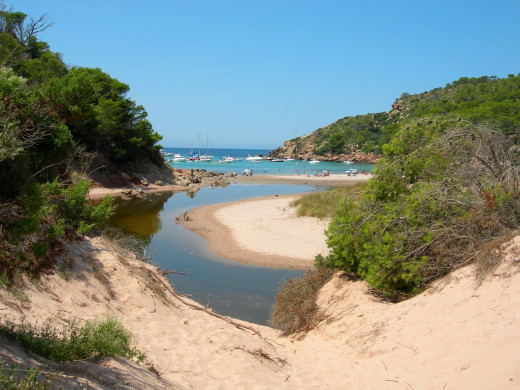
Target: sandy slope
x=456, y=335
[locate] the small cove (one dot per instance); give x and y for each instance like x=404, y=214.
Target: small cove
x=233, y=289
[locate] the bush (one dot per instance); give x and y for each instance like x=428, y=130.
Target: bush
x=94, y=341
x=37, y=226
x=16, y=378
x=295, y=307
x=443, y=189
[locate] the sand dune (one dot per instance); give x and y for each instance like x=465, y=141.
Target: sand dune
x=456, y=335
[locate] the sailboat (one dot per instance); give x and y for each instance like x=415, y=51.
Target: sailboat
x=205, y=156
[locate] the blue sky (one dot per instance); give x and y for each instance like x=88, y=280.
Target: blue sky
x=255, y=73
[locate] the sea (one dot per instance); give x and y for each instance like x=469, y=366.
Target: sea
x=267, y=167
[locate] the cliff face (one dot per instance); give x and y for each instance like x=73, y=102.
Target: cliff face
x=303, y=148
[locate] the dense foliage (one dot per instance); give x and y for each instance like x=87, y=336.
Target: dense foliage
x=483, y=99
x=52, y=121
x=444, y=188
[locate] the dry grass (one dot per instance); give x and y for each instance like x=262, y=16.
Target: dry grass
x=490, y=255
x=323, y=205
x=295, y=307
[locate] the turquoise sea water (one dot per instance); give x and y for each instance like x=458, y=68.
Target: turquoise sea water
x=263, y=167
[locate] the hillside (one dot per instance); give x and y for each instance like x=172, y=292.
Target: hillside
x=361, y=138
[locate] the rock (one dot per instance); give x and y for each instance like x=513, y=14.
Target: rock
x=158, y=183
x=126, y=192
x=193, y=188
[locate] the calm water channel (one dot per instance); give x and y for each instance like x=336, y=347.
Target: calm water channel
x=232, y=289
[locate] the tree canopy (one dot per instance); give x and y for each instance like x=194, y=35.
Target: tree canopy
x=483, y=99
x=51, y=116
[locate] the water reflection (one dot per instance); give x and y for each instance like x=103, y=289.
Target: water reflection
x=233, y=289
x=140, y=216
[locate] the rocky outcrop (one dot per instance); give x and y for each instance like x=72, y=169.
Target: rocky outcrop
x=136, y=173
x=399, y=108
x=303, y=149
x=194, y=179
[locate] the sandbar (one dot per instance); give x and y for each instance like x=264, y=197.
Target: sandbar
x=261, y=231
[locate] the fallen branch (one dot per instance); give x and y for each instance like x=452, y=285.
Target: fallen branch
x=176, y=295
x=174, y=272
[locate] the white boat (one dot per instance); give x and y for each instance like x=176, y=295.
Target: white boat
x=254, y=158
x=276, y=160
x=228, y=159
x=178, y=158
x=165, y=154
x=348, y=162
x=313, y=161
x=207, y=155
x=289, y=159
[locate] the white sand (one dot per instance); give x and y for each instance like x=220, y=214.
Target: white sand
x=271, y=226
x=456, y=335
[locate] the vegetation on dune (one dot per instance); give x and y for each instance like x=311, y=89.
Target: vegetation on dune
x=14, y=377
x=95, y=340
x=446, y=192
x=444, y=188
x=295, y=307
x=53, y=121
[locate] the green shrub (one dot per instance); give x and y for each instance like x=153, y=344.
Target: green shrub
x=443, y=189
x=17, y=378
x=43, y=220
x=95, y=340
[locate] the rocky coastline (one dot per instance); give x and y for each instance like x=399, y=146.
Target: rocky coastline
x=303, y=149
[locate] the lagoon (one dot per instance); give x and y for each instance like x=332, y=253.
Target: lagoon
x=233, y=289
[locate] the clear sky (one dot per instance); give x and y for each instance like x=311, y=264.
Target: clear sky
x=255, y=73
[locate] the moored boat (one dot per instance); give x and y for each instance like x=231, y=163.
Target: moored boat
x=193, y=156
x=228, y=159
x=254, y=158
x=178, y=158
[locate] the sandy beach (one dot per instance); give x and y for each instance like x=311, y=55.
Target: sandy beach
x=331, y=180
x=263, y=232
x=458, y=334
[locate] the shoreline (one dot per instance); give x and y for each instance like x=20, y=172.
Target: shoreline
x=261, y=231
x=333, y=180
x=457, y=334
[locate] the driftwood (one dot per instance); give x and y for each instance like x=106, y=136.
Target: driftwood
x=178, y=296
x=174, y=272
